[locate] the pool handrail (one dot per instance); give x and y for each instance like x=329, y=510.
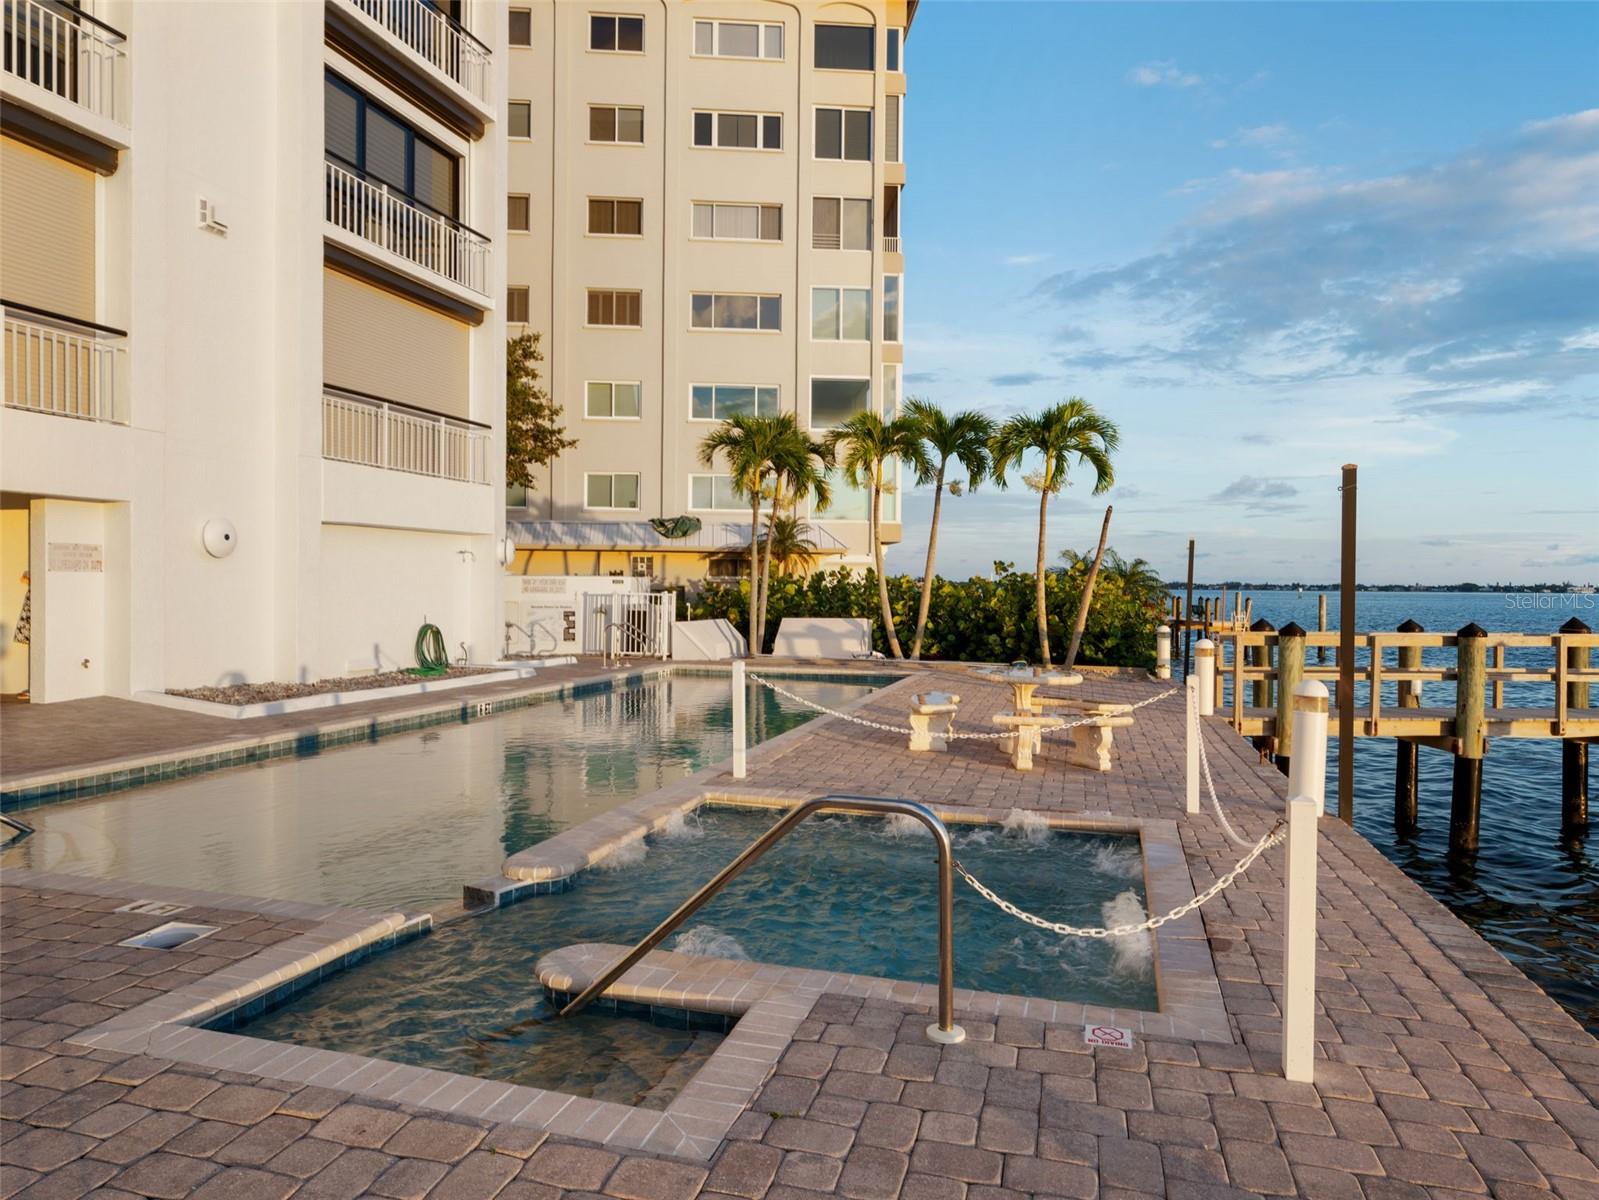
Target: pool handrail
x=945, y=1031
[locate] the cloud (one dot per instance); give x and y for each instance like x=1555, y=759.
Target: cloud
x=1024, y=260
x=1019, y=379
x=1469, y=278
x=1276, y=138
x=1260, y=493
x=918, y=378
x=1257, y=439
x=1163, y=73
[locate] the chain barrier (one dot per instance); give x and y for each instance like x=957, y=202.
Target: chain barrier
x=1210, y=784
x=833, y=712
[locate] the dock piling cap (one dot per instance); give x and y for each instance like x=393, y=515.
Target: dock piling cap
x=1575, y=625
x=1292, y=630
x=1472, y=630
x=1204, y=648
x=1411, y=625
x=1310, y=695
x=1263, y=626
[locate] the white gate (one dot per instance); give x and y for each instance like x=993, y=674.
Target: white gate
x=637, y=624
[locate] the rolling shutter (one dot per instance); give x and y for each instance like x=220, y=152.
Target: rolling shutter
x=47, y=239
x=380, y=344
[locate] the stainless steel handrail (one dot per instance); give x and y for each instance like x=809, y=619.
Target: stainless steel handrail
x=945, y=1031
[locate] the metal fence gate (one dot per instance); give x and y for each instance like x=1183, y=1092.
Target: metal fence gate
x=629, y=623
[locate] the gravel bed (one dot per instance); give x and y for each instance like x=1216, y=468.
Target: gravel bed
x=259, y=693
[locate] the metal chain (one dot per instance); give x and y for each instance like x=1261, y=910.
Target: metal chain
x=833, y=712
x=1210, y=784
x=1269, y=839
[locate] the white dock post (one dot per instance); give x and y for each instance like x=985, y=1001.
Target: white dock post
x=1307, y=769
x=1191, y=742
x=740, y=714
x=1163, y=652
x=1205, y=669
x=1307, y=786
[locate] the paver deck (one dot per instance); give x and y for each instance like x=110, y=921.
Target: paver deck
x=1443, y=1072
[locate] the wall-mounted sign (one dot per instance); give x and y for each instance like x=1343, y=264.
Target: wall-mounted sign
x=74, y=556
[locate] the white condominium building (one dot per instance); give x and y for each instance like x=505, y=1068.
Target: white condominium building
x=703, y=203
x=253, y=350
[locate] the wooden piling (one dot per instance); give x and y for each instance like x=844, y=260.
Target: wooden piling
x=1406, y=751
x=1249, y=610
x=1321, y=625
x=1465, y=809
x=1260, y=689
x=1290, y=670
x=1574, y=753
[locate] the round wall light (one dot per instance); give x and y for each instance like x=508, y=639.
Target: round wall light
x=219, y=538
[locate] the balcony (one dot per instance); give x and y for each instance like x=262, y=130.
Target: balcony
x=891, y=245
x=422, y=50
x=404, y=228
x=372, y=432
x=69, y=71
x=62, y=367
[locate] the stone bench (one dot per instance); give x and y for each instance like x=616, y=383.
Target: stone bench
x=1091, y=744
x=932, y=717
x=1027, y=736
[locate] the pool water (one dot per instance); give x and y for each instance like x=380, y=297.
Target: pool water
x=840, y=893
x=406, y=822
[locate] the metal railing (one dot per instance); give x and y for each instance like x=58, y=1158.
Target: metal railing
x=392, y=221
x=68, y=53
x=437, y=40
x=54, y=364
x=891, y=245
x=644, y=619
x=945, y=1030
x=380, y=433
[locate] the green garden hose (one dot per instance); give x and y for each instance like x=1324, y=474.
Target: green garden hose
x=431, y=658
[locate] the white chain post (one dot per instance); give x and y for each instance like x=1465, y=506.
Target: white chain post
x=740, y=712
x=1307, y=769
x=1191, y=744
x=1299, y=942
x=1163, y=652
x=1205, y=668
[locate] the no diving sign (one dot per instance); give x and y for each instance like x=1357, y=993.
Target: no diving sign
x=1108, y=1035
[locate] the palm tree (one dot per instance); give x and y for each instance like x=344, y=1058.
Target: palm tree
x=1137, y=578
x=862, y=445
x=1071, y=429
x=961, y=436
x=789, y=545
x=799, y=469
x=750, y=446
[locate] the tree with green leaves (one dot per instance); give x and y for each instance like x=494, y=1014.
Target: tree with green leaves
x=960, y=437
x=1071, y=430
x=789, y=546
x=799, y=470
x=862, y=447
x=534, y=434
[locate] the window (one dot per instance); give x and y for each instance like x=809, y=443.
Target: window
x=368, y=140
x=641, y=566
x=614, y=123
x=608, y=307
x=844, y=133
x=728, y=566
x=715, y=492
x=737, y=39
x=516, y=214
x=891, y=308
x=891, y=217
x=844, y=47
x=608, y=401
x=840, y=224
x=521, y=33
x=516, y=305
x=519, y=119
x=618, y=218
x=891, y=129
x=723, y=310
x=618, y=34
x=848, y=503
x=719, y=401
x=610, y=491
x=895, y=43
x=841, y=314
x=834, y=401
x=891, y=374
x=738, y=130
x=738, y=222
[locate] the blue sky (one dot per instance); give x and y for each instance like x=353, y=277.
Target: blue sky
x=1268, y=239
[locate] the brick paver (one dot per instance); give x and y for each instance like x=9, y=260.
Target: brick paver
x=1443, y=1073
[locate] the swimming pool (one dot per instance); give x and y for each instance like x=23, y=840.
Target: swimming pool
x=405, y=822
x=840, y=893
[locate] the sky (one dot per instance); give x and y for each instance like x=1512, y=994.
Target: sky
x=1267, y=240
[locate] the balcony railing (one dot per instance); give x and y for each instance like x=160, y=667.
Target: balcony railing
x=401, y=226
x=891, y=245
x=436, y=39
x=53, y=364
x=380, y=433
x=68, y=53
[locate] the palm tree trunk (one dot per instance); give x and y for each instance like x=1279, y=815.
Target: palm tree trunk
x=927, y=572
x=766, y=562
x=1043, y=614
x=755, y=576
x=1087, y=597
x=882, y=579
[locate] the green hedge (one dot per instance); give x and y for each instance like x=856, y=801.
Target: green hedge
x=977, y=619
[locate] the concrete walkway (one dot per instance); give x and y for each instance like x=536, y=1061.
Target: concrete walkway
x=1443, y=1072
